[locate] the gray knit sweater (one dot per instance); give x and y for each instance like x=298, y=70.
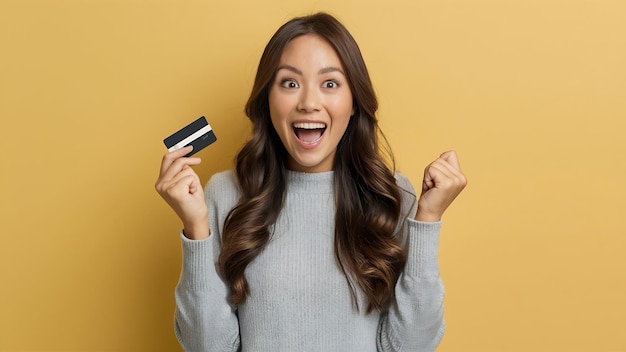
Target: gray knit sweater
x=299, y=298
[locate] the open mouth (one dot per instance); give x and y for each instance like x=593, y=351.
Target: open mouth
x=309, y=132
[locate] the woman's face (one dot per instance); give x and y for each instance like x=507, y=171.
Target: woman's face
x=310, y=103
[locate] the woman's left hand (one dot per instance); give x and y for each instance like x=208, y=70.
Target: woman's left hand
x=443, y=181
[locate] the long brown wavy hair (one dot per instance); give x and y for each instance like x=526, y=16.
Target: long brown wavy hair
x=367, y=199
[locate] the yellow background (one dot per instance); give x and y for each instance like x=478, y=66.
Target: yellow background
x=531, y=94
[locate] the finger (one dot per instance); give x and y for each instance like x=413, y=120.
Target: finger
x=433, y=178
x=170, y=157
x=451, y=157
x=450, y=162
x=178, y=165
x=447, y=175
x=186, y=174
x=427, y=184
x=170, y=178
x=180, y=189
x=438, y=170
x=170, y=174
x=440, y=174
x=185, y=185
x=444, y=166
x=433, y=175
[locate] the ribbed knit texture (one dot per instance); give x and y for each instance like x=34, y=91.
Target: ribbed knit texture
x=299, y=298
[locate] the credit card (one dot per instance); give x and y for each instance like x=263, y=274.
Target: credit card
x=198, y=133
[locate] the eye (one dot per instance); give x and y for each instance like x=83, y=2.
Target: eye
x=330, y=84
x=289, y=83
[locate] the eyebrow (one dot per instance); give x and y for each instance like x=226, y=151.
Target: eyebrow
x=320, y=72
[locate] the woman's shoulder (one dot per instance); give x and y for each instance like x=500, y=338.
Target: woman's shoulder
x=404, y=184
x=224, y=177
x=222, y=184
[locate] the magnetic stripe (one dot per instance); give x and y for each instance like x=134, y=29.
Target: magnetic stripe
x=199, y=133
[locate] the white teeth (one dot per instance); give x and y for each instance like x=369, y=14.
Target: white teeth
x=309, y=125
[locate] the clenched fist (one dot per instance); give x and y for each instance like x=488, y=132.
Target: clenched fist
x=443, y=181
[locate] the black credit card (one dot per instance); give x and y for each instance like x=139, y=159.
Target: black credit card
x=199, y=134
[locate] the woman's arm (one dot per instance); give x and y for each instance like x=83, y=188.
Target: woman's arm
x=415, y=321
x=204, y=320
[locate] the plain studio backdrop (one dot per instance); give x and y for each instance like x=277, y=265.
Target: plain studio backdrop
x=531, y=94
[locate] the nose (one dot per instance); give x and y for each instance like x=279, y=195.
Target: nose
x=309, y=100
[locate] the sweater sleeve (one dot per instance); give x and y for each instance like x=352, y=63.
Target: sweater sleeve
x=415, y=321
x=204, y=320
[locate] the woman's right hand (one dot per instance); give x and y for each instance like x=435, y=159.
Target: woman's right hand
x=180, y=186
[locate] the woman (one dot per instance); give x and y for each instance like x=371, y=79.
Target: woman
x=312, y=243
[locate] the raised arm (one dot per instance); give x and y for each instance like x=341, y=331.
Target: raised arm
x=204, y=321
x=415, y=322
